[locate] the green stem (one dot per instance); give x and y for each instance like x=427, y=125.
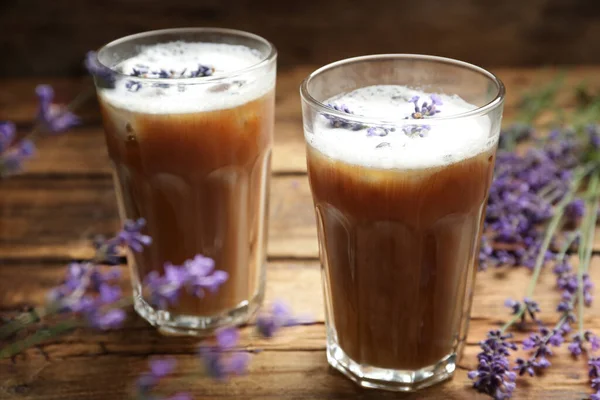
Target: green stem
x=23, y=320
x=550, y=230
x=585, y=246
x=38, y=337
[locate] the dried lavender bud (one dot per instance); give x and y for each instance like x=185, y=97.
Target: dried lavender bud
x=337, y=122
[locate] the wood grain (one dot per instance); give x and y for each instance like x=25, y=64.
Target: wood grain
x=51, y=37
x=293, y=355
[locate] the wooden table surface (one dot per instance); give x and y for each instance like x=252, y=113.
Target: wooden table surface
x=65, y=196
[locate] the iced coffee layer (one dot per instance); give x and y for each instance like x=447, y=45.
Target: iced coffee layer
x=440, y=140
x=232, y=81
x=398, y=249
x=200, y=180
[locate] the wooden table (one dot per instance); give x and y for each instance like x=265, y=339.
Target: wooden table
x=48, y=214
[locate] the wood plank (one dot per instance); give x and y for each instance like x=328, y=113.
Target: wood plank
x=46, y=218
x=56, y=369
x=300, y=375
x=53, y=218
x=299, y=284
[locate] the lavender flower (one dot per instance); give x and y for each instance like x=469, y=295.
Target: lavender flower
x=575, y=210
x=425, y=109
x=493, y=375
x=530, y=308
x=132, y=237
x=337, y=122
x=148, y=381
x=7, y=134
x=576, y=346
x=202, y=275
x=220, y=361
x=197, y=275
x=98, y=70
x=11, y=160
x=89, y=291
x=52, y=118
x=278, y=316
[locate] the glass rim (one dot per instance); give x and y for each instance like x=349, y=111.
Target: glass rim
x=321, y=107
x=271, y=55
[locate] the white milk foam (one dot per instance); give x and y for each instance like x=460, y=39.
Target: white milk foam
x=447, y=142
x=188, y=98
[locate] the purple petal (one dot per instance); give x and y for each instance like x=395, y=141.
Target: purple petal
x=162, y=367
x=435, y=99
x=109, y=294
x=112, y=319
x=227, y=338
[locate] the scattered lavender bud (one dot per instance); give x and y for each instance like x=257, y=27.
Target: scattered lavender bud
x=278, y=316
x=7, y=135
x=148, y=381
x=53, y=118
x=132, y=237
x=337, y=122
x=11, y=160
x=97, y=70
x=220, y=361
x=197, y=276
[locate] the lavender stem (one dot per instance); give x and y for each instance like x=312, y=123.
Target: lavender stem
x=550, y=230
x=586, y=246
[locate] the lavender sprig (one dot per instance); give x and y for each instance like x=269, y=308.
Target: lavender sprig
x=148, y=381
x=51, y=119
x=220, y=360
x=493, y=375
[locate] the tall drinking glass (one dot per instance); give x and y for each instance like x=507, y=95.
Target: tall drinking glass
x=188, y=116
x=400, y=152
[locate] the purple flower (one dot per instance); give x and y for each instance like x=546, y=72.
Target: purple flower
x=576, y=346
x=7, y=134
x=99, y=71
x=493, y=375
x=89, y=292
x=425, y=109
x=202, y=275
x=594, y=136
x=220, y=361
x=524, y=367
x=530, y=308
x=53, y=118
x=279, y=315
x=11, y=161
x=337, y=122
x=132, y=237
x=196, y=275
x=575, y=210
x=159, y=369
x=514, y=305
x=111, y=319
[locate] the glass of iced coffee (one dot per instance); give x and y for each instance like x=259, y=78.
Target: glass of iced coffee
x=400, y=152
x=188, y=116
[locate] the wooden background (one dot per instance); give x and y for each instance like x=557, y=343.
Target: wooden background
x=50, y=37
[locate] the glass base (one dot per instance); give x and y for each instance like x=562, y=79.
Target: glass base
x=172, y=324
x=390, y=379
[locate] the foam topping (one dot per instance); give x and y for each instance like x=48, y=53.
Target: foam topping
x=178, y=58
x=443, y=143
